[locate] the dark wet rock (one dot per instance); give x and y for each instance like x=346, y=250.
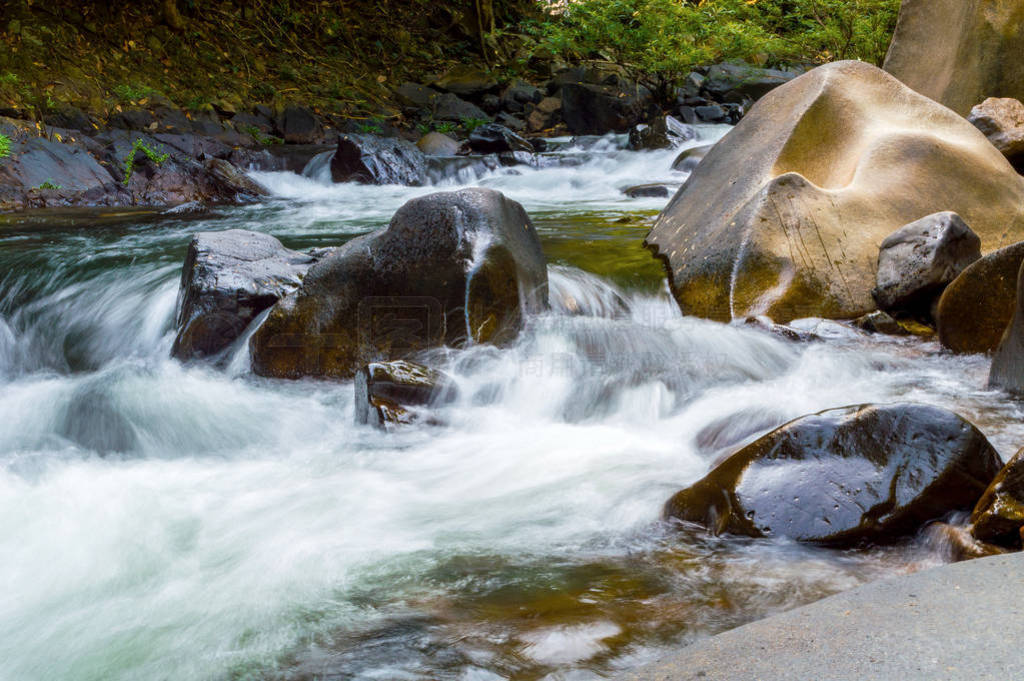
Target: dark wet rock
x=1007, y=370
x=491, y=104
x=228, y=279
x=299, y=125
x=41, y=173
x=197, y=147
x=843, y=476
x=451, y=267
x=664, y=132
x=436, y=144
x=688, y=159
x=687, y=114
x=368, y=159
x=918, y=261
x=246, y=122
x=492, y=138
x=388, y=393
x=234, y=181
x=517, y=95
x=711, y=113
x=414, y=96
x=449, y=107
x=597, y=109
x=141, y=120
x=71, y=118
x=648, y=190
x=976, y=308
x=738, y=83
x=511, y=122
x=999, y=515
x=692, y=85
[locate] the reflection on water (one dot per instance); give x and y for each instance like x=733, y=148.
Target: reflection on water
x=158, y=517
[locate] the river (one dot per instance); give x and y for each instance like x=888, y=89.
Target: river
x=161, y=521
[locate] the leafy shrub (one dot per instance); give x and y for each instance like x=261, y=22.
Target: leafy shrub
x=471, y=124
x=5, y=146
x=129, y=161
x=667, y=38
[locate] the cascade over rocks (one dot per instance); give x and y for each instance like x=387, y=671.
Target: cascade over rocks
x=228, y=279
x=784, y=215
x=389, y=393
x=842, y=476
x=369, y=159
x=450, y=267
x=918, y=260
x=664, y=132
x=959, y=52
x=977, y=306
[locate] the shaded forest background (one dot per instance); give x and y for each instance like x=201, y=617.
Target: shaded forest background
x=346, y=57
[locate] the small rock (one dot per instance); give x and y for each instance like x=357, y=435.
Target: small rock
x=492, y=138
x=918, y=261
x=389, y=392
x=1002, y=122
x=437, y=144
x=648, y=190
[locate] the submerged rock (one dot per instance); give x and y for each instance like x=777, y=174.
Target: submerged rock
x=842, y=476
x=228, y=279
x=977, y=306
x=917, y=261
x=451, y=267
x=389, y=393
x=999, y=515
x=369, y=159
x=957, y=51
x=784, y=215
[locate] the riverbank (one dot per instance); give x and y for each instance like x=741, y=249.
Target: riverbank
x=957, y=622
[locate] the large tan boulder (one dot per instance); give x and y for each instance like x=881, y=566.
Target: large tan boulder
x=785, y=215
x=959, y=52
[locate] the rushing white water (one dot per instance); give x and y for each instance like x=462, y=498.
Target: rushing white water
x=167, y=521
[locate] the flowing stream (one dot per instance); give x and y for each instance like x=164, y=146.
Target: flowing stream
x=161, y=521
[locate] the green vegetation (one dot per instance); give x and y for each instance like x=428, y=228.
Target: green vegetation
x=49, y=184
x=372, y=127
x=5, y=146
x=265, y=140
x=667, y=38
x=134, y=93
x=129, y=161
x=471, y=124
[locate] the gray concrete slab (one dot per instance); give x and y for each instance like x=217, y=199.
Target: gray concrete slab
x=962, y=621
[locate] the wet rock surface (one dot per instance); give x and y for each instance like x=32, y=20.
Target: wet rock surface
x=1007, y=370
x=389, y=393
x=369, y=159
x=451, y=267
x=999, y=515
x=861, y=473
x=227, y=280
x=975, y=309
